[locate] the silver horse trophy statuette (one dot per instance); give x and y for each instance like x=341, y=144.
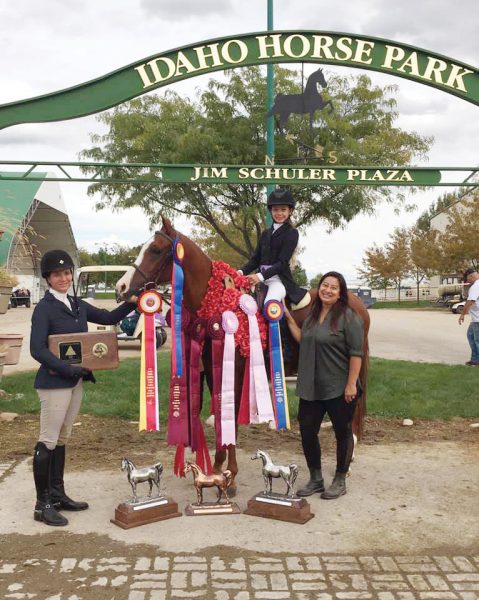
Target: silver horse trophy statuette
x=150, y=474
x=271, y=471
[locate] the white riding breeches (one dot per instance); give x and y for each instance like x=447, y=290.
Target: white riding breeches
x=276, y=290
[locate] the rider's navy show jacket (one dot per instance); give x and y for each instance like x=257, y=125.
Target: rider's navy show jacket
x=50, y=317
x=275, y=249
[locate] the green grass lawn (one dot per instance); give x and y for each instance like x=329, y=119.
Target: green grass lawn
x=395, y=389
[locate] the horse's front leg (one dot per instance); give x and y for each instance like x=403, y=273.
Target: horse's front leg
x=133, y=487
x=270, y=484
x=233, y=467
x=220, y=457
x=265, y=479
x=199, y=495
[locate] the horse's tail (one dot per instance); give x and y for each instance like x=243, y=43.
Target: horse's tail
x=159, y=469
x=360, y=411
x=228, y=475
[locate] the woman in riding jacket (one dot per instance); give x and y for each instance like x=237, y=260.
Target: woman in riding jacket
x=59, y=384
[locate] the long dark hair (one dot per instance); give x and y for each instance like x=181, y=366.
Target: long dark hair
x=339, y=307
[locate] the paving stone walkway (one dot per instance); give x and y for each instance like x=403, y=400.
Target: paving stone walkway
x=254, y=577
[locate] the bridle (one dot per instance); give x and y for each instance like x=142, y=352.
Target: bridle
x=165, y=255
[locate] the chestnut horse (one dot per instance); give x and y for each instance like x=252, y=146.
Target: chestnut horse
x=153, y=267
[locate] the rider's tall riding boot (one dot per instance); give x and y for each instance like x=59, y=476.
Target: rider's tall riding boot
x=314, y=485
x=44, y=509
x=337, y=488
x=57, y=489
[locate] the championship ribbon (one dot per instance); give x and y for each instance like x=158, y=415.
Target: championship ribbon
x=255, y=387
x=197, y=333
x=229, y=322
x=178, y=409
x=273, y=312
x=149, y=303
x=177, y=279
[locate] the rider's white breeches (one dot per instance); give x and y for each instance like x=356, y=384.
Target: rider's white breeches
x=276, y=290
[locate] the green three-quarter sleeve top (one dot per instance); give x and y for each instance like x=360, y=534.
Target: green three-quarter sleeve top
x=324, y=356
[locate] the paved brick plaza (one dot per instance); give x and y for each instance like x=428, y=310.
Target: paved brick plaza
x=252, y=577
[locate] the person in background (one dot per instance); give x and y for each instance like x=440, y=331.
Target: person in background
x=59, y=385
x=274, y=251
x=330, y=356
x=471, y=307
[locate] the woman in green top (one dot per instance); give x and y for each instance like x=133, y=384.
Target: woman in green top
x=330, y=356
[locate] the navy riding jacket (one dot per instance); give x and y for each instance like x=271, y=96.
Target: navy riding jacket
x=275, y=249
x=51, y=317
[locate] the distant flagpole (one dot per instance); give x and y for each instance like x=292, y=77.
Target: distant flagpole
x=269, y=104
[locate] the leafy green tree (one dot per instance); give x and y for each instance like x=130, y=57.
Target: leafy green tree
x=424, y=255
x=314, y=282
x=459, y=242
x=299, y=275
x=391, y=264
x=226, y=125
x=376, y=270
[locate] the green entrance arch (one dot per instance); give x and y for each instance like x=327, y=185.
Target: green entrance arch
x=332, y=48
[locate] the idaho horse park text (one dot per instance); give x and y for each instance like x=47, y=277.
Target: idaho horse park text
x=305, y=47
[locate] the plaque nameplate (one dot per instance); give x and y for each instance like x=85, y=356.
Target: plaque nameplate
x=93, y=350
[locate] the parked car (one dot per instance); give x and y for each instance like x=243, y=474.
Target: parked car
x=458, y=307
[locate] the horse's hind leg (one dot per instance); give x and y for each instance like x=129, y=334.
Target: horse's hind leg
x=150, y=483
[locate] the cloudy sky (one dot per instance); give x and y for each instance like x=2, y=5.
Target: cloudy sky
x=53, y=44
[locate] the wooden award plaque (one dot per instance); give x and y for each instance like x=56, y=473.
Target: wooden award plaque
x=93, y=350
x=212, y=508
x=134, y=514
x=280, y=507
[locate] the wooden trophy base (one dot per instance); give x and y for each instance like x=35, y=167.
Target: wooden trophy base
x=280, y=507
x=212, y=508
x=128, y=515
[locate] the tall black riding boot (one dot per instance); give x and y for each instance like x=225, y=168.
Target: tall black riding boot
x=57, y=489
x=44, y=509
x=314, y=485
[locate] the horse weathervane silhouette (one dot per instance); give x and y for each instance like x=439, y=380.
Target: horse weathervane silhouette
x=308, y=102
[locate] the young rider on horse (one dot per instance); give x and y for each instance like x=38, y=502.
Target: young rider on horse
x=275, y=249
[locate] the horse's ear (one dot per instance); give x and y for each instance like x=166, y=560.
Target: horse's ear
x=167, y=226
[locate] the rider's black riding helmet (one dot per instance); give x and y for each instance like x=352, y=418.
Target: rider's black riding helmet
x=55, y=260
x=281, y=197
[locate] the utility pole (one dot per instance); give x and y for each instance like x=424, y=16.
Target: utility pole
x=269, y=105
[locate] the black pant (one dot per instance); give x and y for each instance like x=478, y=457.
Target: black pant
x=310, y=417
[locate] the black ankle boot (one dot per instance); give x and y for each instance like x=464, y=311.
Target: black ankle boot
x=57, y=489
x=337, y=488
x=314, y=485
x=44, y=509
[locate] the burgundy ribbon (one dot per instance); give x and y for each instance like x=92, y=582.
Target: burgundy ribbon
x=178, y=410
x=216, y=333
